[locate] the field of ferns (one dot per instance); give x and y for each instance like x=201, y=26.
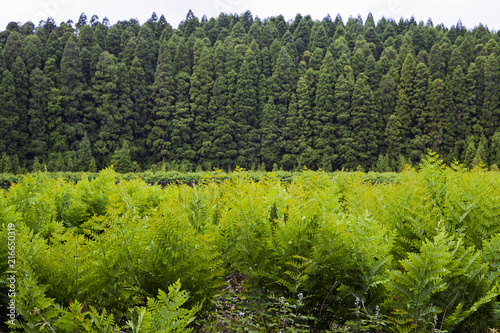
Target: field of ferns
x=321, y=253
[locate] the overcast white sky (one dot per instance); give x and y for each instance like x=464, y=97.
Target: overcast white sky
x=471, y=12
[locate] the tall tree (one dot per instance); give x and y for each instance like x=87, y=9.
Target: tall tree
x=324, y=119
x=490, y=112
x=113, y=107
x=72, y=91
x=201, y=89
x=363, y=123
x=246, y=107
x=403, y=104
x=272, y=143
x=163, y=104
x=436, y=105
x=343, y=94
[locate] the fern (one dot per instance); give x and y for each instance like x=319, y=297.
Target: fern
x=166, y=312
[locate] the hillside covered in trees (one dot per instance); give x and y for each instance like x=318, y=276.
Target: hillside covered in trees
x=239, y=90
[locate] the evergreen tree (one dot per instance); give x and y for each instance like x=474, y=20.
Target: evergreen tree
x=495, y=149
x=72, y=92
x=201, y=87
x=39, y=104
x=419, y=115
x=403, y=104
x=386, y=97
x=363, y=123
x=246, y=108
x=10, y=136
x=163, y=101
x=343, y=93
x=305, y=95
x=21, y=84
x=33, y=53
x=122, y=160
x=490, y=112
x=224, y=148
x=291, y=136
x=436, y=63
x=393, y=141
x=436, y=105
x=457, y=115
x=324, y=117
x=111, y=92
x=12, y=49
x=271, y=143
x=146, y=50
x=182, y=124
x=138, y=122
x=84, y=155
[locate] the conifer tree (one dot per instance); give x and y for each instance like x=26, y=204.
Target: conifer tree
x=200, y=91
x=393, y=141
x=291, y=136
x=12, y=49
x=113, y=106
x=457, y=115
x=495, y=149
x=490, y=112
x=138, y=122
x=72, y=91
x=10, y=117
x=163, y=105
x=436, y=63
x=224, y=150
x=343, y=93
x=386, y=97
x=305, y=96
x=436, y=105
x=84, y=155
x=319, y=37
x=33, y=53
x=146, y=50
x=363, y=123
x=419, y=115
x=404, y=104
x=38, y=106
x=271, y=143
x=246, y=108
x=21, y=84
x=182, y=123
x=324, y=116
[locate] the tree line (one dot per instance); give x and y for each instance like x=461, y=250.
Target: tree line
x=238, y=90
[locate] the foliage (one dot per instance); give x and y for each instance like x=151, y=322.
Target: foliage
x=417, y=253
x=238, y=90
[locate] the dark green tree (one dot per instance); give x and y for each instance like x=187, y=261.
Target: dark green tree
x=490, y=112
x=393, y=141
x=38, y=106
x=436, y=105
x=113, y=107
x=246, y=108
x=363, y=123
x=271, y=136
x=324, y=116
x=84, y=155
x=199, y=93
x=163, y=105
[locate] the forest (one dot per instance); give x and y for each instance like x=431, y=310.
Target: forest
x=238, y=90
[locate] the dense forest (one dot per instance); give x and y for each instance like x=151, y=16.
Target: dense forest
x=239, y=90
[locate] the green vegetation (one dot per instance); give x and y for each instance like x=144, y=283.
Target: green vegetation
x=324, y=252
x=242, y=91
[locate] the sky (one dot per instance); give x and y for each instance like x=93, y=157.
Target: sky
x=447, y=12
